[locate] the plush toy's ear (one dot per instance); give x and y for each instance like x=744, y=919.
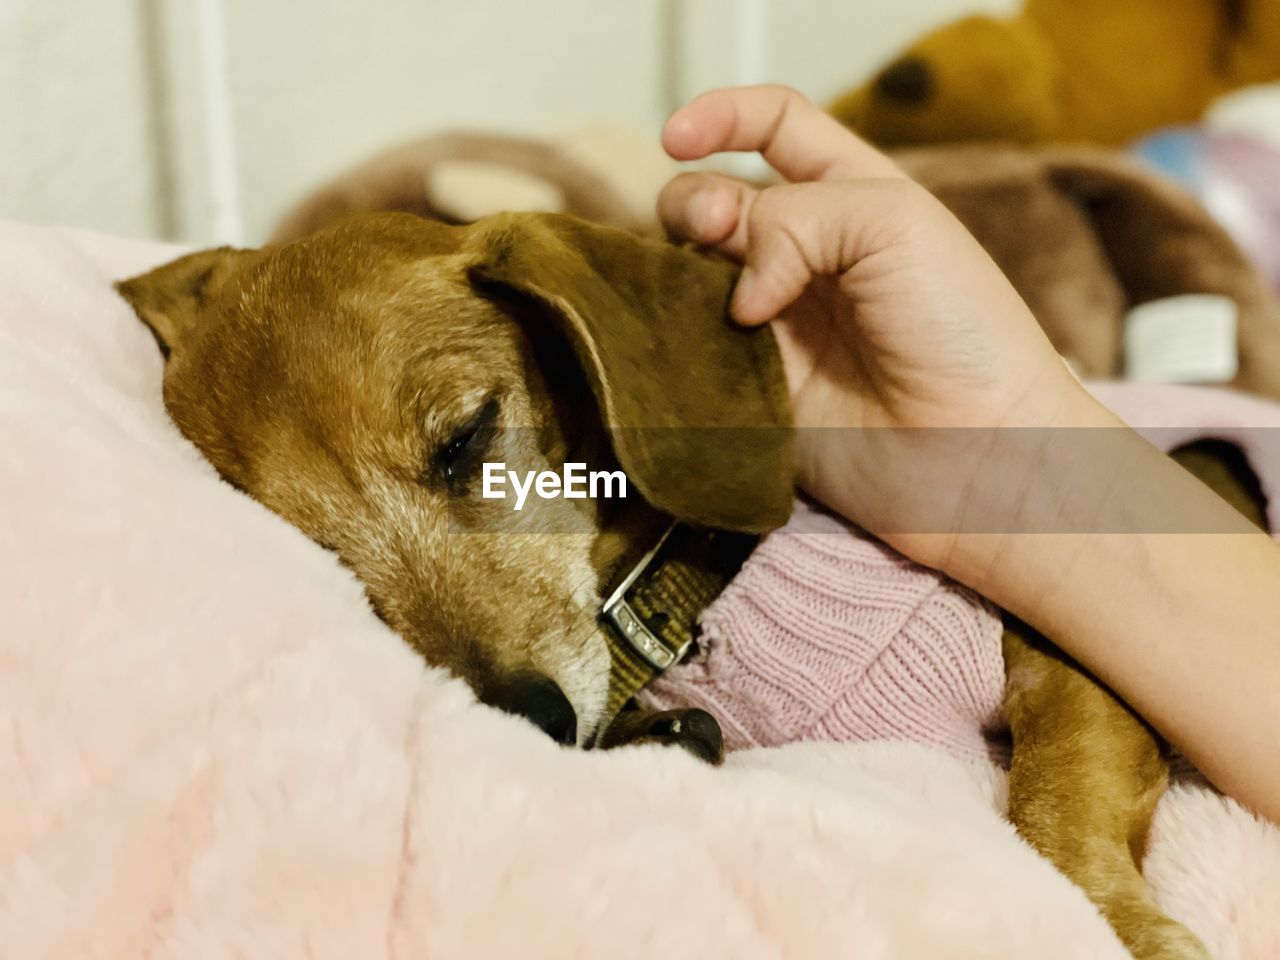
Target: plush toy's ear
x=696, y=407
x=169, y=298
x=1162, y=243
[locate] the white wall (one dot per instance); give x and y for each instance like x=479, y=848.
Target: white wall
x=77, y=136
x=358, y=76
x=93, y=132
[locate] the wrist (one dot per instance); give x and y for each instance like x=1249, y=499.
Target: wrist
x=946, y=495
x=1093, y=501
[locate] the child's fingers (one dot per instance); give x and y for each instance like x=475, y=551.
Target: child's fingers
x=707, y=209
x=794, y=136
x=796, y=232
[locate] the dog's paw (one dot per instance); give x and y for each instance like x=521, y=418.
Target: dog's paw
x=693, y=730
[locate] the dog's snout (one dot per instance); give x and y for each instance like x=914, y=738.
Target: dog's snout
x=540, y=700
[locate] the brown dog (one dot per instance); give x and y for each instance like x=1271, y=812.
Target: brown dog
x=355, y=381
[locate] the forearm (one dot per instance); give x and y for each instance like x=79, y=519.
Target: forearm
x=937, y=416
x=1185, y=626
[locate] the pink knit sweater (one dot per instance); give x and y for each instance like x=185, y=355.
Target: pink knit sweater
x=828, y=634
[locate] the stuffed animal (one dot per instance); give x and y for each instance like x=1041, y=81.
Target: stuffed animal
x=1086, y=236
x=1086, y=71
x=1236, y=177
x=1128, y=275
x=601, y=174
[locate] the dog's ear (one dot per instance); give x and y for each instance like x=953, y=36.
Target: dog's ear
x=169, y=298
x=696, y=407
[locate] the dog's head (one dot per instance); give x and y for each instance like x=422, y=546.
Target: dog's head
x=356, y=381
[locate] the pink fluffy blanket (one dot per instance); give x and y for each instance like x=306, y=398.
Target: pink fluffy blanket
x=210, y=748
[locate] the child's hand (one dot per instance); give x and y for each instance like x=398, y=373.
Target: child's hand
x=893, y=317
x=891, y=314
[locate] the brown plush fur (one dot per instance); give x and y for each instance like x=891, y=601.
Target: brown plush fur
x=1086, y=235
x=400, y=179
x=326, y=377
x=1068, y=71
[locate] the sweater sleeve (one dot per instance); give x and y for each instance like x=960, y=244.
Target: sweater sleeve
x=827, y=634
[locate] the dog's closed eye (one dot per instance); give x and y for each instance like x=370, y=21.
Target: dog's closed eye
x=457, y=459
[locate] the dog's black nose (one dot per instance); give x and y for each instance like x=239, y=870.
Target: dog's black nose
x=909, y=80
x=540, y=701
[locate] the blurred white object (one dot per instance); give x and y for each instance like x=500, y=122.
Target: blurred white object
x=470, y=189
x=1186, y=339
x=1252, y=111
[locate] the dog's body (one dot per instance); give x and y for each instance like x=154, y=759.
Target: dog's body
x=354, y=381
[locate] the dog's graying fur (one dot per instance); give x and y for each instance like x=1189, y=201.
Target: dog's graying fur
x=353, y=380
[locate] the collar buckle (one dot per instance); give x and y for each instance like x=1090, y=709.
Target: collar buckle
x=630, y=626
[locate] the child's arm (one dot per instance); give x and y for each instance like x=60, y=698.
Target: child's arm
x=900, y=337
